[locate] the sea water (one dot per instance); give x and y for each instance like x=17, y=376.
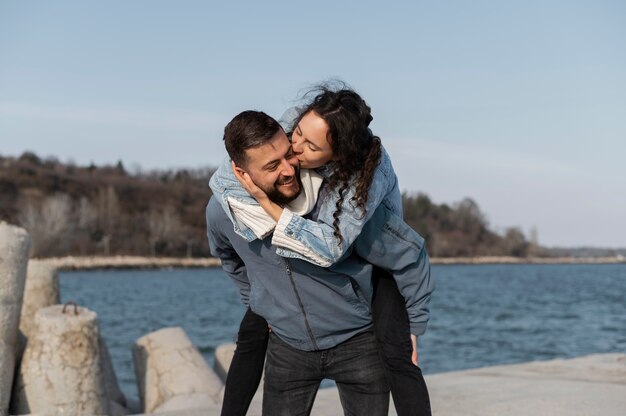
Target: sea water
x=481, y=315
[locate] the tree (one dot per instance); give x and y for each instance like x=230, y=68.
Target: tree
x=165, y=227
x=47, y=224
x=87, y=214
x=515, y=242
x=108, y=208
x=468, y=214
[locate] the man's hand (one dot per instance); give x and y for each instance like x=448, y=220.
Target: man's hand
x=248, y=185
x=414, y=343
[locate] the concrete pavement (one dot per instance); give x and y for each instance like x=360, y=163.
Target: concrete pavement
x=584, y=386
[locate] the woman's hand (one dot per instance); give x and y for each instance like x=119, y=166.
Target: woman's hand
x=273, y=210
x=248, y=185
x=414, y=344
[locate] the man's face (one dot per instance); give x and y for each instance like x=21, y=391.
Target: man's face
x=273, y=167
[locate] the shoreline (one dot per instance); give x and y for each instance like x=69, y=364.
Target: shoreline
x=72, y=263
x=528, y=260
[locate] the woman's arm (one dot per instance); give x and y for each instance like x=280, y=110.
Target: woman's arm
x=271, y=208
x=250, y=221
x=314, y=241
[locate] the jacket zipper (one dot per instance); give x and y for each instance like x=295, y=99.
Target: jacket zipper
x=295, y=290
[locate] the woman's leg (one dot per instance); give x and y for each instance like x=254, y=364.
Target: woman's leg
x=391, y=325
x=246, y=368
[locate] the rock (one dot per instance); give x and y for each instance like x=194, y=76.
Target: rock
x=14, y=245
x=61, y=371
x=167, y=365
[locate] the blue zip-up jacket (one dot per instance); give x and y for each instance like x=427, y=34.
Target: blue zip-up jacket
x=311, y=307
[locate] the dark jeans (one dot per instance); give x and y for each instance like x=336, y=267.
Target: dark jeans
x=293, y=376
x=391, y=326
x=246, y=368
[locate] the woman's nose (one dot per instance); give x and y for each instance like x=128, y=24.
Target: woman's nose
x=296, y=146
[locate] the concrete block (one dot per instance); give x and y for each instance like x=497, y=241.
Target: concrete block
x=191, y=401
x=14, y=245
x=167, y=365
x=41, y=290
x=224, y=354
x=61, y=371
x=223, y=357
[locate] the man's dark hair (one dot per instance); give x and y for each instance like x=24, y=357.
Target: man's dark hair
x=247, y=130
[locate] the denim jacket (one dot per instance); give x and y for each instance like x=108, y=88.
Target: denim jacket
x=317, y=236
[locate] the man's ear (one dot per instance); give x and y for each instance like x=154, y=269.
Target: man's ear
x=237, y=169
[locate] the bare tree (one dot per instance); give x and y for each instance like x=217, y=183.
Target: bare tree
x=164, y=227
x=47, y=224
x=108, y=209
x=56, y=214
x=29, y=219
x=87, y=214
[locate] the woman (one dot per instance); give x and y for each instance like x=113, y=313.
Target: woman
x=330, y=135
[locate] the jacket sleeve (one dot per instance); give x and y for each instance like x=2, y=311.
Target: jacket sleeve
x=232, y=264
x=389, y=243
x=315, y=241
x=248, y=218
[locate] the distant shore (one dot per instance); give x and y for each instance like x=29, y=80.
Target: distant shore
x=129, y=262
x=137, y=262
x=528, y=260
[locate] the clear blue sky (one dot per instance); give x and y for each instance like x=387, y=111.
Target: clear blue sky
x=519, y=105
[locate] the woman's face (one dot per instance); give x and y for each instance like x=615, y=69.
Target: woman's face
x=310, y=141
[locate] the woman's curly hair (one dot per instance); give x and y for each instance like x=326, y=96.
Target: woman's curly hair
x=356, y=150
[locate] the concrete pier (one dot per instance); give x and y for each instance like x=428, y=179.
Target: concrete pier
x=585, y=386
x=14, y=245
x=593, y=385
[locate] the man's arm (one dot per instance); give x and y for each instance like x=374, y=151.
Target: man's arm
x=221, y=247
x=389, y=243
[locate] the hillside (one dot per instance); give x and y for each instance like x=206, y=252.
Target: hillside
x=86, y=210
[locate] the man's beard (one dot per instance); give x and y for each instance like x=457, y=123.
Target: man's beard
x=281, y=199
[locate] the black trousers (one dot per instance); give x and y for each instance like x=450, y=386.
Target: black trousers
x=391, y=327
x=293, y=376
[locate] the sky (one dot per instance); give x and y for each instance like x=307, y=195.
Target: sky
x=520, y=106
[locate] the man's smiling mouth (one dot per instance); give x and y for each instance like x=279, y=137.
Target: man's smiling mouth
x=287, y=182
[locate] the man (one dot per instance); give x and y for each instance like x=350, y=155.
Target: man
x=320, y=318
